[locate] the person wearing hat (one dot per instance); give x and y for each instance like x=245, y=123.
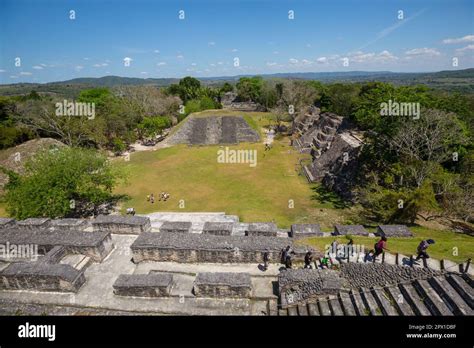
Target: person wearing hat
x=422, y=247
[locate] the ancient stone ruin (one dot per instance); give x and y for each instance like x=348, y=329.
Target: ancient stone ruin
x=334, y=145
x=223, y=285
x=212, y=264
x=393, y=231
x=213, y=130
x=353, y=230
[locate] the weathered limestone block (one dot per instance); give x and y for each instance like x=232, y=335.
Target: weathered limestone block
x=357, y=230
x=34, y=223
x=218, y=228
x=96, y=245
x=193, y=247
x=119, y=224
x=176, y=227
x=41, y=276
x=70, y=224
x=144, y=285
x=268, y=229
x=393, y=231
x=224, y=284
x=305, y=230
x=7, y=223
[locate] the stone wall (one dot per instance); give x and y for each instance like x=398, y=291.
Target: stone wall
x=34, y=223
x=356, y=230
x=194, y=247
x=266, y=229
x=46, y=274
x=144, y=285
x=223, y=285
x=218, y=228
x=176, y=226
x=96, y=245
x=393, y=231
x=305, y=230
x=122, y=224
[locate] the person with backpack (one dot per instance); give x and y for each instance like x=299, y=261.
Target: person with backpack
x=422, y=247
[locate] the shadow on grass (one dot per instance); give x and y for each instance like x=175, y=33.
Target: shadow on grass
x=326, y=196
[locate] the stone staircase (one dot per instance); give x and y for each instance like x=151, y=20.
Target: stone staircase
x=446, y=295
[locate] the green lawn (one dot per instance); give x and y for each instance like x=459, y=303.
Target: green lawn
x=449, y=245
x=192, y=174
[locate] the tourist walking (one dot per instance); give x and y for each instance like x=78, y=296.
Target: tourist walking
x=266, y=260
x=152, y=198
x=308, y=258
x=422, y=247
x=288, y=261
x=379, y=248
x=284, y=253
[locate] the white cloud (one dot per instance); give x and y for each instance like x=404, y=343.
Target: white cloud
x=464, y=49
x=211, y=43
x=467, y=38
x=1, y=70
x=144, y=73
x=322, y=60
x=127, y=59
x=179, y=56
x=78, y=67
x=234, y=50
x=156, y=51
x=161, y=63
x=424, y=51
x=275, y=52
x=212, y=64
x=308, y=45
x=38, y=67
x=193, y=64
x=13, y=77
x=83, y=58
x=293, y=61
x=271, y=63
x=220, y=63
x=26, y=73
x=306, y=62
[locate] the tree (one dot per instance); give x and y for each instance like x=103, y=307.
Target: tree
x=151, y=126
x=61, y=182
x=250, y=88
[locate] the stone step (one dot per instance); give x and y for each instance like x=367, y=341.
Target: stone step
x=417, y=264
x=283, y=312
x=292, y=311
x=302, y=310
x=313, y=309
x=383, y=301
x=272, y=307
x=389, y=259
x=370, y=302
x=78, y=261
x=463, y=288
x=450, y=266
x=358, y=303
x=399, y=301
x=324, y=307
x=431, y=298
x=335, y=307
x=414, y=300
x=346, y=304
x=433, y=264
x=450, y=296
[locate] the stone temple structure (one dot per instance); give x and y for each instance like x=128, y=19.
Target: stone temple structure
x=334, y=145
x=212, y=264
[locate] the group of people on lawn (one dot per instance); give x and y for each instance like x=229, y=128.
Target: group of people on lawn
x=162, y=197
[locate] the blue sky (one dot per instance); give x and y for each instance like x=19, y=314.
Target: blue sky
x=364, y=34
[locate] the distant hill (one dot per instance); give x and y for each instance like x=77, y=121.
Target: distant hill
x=110, y=81
x=450, y=80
